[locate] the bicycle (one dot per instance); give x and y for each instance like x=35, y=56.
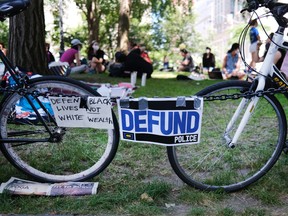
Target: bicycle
x=228, y=158
x=30, y=139
x=244, y=125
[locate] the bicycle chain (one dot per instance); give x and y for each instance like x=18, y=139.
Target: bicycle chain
x=235, y=96
x=24, y=91
x=247, y=94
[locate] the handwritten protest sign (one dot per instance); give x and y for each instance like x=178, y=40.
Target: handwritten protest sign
x=95, y=114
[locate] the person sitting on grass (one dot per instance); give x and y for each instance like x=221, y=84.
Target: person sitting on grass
x=73, y=54
x=96, y=58
x=187, y=64
x=231, y=64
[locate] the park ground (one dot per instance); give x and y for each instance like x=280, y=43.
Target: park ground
x=140, y=180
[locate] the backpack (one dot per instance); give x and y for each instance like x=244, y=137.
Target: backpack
x=116, y=70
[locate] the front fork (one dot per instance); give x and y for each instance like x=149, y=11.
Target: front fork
x=232, y=142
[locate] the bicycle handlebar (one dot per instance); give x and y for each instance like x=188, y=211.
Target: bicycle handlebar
x=277, y=9
x=252, y=5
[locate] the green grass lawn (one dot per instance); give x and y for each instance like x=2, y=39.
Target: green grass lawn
x=140, y=181
x=162, y=84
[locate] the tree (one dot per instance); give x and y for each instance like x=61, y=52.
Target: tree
x=184, y=5
x=124, y=25
x=92, y=11
x=27, y=39
x=96, y=11
x=4, y=32
x=134, y=9
x=178, y=28
x=103, y=25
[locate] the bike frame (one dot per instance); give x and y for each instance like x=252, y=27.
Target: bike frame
x=21, y=83
x=267, y=69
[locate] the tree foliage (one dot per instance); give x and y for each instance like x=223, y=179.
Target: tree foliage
x=4, y=32
x=99, y=15
x=178, y=29
x=161, y=31
x=107, y=25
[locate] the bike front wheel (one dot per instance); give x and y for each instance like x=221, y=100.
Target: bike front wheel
x=77, y=154
x=212, y=164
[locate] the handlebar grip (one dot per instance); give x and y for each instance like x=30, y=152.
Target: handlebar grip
x=243, y=10
x=252, y=5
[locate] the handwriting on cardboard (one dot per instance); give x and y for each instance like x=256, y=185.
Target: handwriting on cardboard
x=69, y=112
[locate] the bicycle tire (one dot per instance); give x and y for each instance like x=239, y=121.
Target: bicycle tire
x=80, y=154
x=212, y=165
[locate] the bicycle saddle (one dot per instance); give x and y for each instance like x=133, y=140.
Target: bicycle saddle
x=9, y=8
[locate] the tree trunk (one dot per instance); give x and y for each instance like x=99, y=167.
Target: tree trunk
x=27, y=39
x=93, y=20
x=124, y=25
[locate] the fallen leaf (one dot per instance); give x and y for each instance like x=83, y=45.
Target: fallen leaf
x=146, y=197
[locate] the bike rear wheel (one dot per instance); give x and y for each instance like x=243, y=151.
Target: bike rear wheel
x=212, y=165
x=80, y=153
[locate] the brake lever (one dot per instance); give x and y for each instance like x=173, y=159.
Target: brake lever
x=245, y=9
x=285, y=20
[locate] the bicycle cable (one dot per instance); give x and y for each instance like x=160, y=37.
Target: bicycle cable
x=243, y=36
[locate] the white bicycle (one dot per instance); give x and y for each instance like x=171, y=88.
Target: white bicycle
x=243, y=124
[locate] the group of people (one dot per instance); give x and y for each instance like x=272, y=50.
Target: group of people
x=95, y=56
x=96, y=61
x=187, y=62
x=136, y=60
x=231, y=64
x=230, y=67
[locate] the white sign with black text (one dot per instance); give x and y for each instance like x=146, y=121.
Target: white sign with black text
x=96, y=113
